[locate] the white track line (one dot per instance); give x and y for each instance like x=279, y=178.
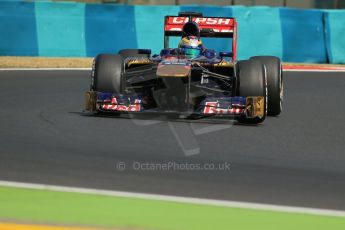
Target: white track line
x=187, y=200
x=45, y=69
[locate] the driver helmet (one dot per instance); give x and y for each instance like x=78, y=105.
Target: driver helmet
x=191, y=46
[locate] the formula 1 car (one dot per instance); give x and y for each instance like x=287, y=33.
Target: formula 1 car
x=211, y=84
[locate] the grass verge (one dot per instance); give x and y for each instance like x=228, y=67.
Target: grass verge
x=39, y=206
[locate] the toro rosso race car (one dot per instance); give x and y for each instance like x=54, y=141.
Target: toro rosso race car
x=189, y=80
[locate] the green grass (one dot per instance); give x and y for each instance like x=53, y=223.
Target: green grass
x=105, y=211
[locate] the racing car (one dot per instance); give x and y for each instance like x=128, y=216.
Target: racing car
x=207, y=84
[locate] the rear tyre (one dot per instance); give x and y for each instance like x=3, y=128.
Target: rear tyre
x=107, y=73
x=132, y=53
x=274, y=83
x=251, y=76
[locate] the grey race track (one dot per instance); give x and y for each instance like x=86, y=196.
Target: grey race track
x=296, y=159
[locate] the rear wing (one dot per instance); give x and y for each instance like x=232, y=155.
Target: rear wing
x=217, y=27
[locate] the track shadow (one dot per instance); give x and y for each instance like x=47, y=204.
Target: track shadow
x=164, y=117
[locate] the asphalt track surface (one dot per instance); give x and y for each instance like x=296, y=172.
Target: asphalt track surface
x=295, y=159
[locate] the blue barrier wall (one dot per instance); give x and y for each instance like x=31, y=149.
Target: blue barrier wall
x=60, y=29
x=335, y=35
x=108, y=28
x=303, y=36
x=149, y=26
x=259, y=31
x=18, y=29
x=78, y=29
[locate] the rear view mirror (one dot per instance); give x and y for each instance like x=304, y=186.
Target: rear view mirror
x=210, y=53
x=144, y=51
x=225, y=54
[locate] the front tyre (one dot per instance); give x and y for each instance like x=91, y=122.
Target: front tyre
x=107, y=73
x=274, y=83
x=251, y=77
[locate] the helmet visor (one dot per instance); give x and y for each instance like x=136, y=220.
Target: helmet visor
x=191, y=52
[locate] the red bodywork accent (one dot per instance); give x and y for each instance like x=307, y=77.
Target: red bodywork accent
x=213, y=108
x=136, y=107
x=315, y=67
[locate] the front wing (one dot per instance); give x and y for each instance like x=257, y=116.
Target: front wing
x=250, y=107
